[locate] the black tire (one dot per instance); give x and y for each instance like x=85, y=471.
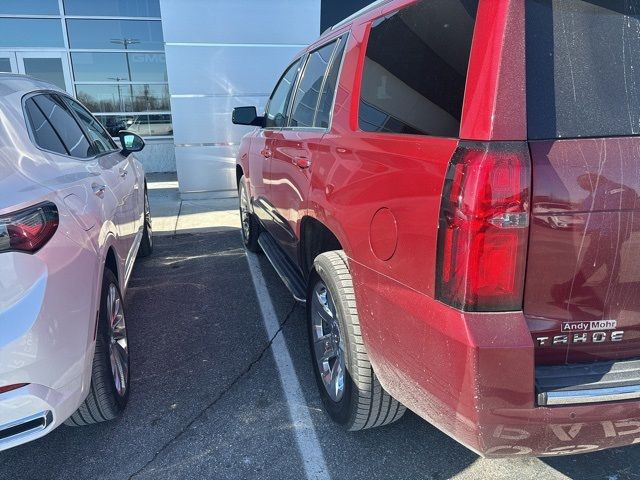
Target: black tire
x=146, y=244
x=104, y=401
x=249, y=223
x=364, y=403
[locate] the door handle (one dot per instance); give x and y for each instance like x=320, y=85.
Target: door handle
x=98, y=189
x=123, y=172
x=301, y=162
x=266, y=153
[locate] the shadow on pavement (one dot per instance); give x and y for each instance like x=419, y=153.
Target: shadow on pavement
x=206, y=399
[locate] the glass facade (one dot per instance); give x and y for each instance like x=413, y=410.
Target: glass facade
x=30, y=32
x=109, y=54
x=111, y=8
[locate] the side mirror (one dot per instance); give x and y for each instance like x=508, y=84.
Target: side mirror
x=247, y=116
x=130, y=141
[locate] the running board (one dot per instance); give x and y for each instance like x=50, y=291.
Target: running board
x=285, y=268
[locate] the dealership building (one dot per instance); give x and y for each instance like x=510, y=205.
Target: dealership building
x=170, y=70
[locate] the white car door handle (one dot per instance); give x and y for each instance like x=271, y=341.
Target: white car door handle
x=99, y=189
x=123, y=172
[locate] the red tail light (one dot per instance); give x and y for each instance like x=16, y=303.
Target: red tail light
x=484, y=225
x=9, y=388
x=28, y=230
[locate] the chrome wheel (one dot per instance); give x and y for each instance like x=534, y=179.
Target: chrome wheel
x=118, y=346
x=245, y=212
x=328, y=344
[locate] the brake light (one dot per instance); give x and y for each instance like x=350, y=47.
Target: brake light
x=9, y=388
x=28, y=230
x=484, y=225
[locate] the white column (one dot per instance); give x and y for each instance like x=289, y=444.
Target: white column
x=222, y=54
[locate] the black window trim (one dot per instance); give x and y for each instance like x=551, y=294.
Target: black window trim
x=338, y=43
x=57, y=93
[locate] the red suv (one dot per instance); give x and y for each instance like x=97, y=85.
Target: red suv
x=452, y=188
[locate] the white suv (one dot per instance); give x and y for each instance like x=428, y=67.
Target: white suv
x=74, y=215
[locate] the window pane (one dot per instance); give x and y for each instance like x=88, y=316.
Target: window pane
x=29, y=7
x=113, y=67
x=44, y=135
x=415, y=69
x=279, y=101
x=306, y=99
x=116, y=34
x=114, y=8
x=143, y=124
x=30, y=32
x=65, y=125
x=124, y=97
x=99, y=67
x=148, y=67
x=583, y=68
x=100, y=139
x=5, y=65
x=329, y=90
x=46, y=69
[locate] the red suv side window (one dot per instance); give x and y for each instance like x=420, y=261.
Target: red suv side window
x=415, y=69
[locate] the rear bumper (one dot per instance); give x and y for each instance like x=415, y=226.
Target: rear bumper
x=473, y=376
x=33, y=411
x=48, y=317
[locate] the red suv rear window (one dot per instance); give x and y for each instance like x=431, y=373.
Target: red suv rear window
x=583, y=68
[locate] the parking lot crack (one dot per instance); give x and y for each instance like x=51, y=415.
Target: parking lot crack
x=175, y=227
x=257, y=359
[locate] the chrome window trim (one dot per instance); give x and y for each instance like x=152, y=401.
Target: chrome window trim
x=343, y=37
x=336, y=47
x=295, y=84
x=336, y=41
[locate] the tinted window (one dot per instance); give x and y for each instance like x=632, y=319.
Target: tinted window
x=112, y=8
x=308, y=91
x=116, y=34
x=58, y=114
x=30, y=32
x=415, y=69
x=100, y=140
x=279, y=101
x=43, y=133
x=583, y=68
x=329, y=90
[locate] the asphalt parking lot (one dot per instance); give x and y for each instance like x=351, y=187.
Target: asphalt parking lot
x=208, y=400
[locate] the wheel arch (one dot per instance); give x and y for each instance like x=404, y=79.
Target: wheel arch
x=239, y=174
x=111, y=262
x=315, y=238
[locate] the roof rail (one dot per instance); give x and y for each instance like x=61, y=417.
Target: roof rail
x=362, y=11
